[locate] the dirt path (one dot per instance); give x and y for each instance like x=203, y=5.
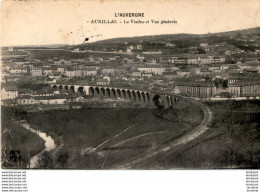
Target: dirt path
x=199, y=130
x=137, y=137
x=113, y=137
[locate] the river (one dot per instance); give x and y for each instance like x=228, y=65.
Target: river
x=49, y=144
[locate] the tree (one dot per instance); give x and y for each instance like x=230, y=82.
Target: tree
x=45, y=161
x=225, y=83
x=62, y=158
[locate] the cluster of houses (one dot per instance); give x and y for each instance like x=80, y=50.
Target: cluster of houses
x=149, y=70
x=46, y=95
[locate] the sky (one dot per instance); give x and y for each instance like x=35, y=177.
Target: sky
x=44, y=22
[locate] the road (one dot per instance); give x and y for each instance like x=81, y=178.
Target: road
x=199, y=130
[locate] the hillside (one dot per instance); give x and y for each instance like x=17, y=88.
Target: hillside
x=176, y=37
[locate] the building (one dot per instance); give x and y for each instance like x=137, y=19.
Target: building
x=139, y=47
x=70, y=73
x=245, y=88
x=54, y=99
x=153, y=70
x=9, y=92
x=170, y=45
x=108, y=71
x=136, y=74
x=204, y=45
x=102, y=82
x=176, y=60
x=18, y=69
x=36, y=72
x=203, y=90
x=205, y=60
x=234, y=89
x=250, y=89
x=26, y=100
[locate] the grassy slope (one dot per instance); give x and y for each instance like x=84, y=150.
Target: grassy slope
x=233, y=141
x=83, y=129
x=15, y=137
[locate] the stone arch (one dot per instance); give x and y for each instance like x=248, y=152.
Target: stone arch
x=60, y=87
x=54, y=87
x=114, y=92
x=143, y=96
x=124, y=93
x=119, y=93
x=148, y=96
x=81, y=90
x=138, y=95
x=72, y=88
x=134, y=95
x=171, y=101
x=97, y=90
x=92, y=90
x=66, y=87
x=157, y=101
x=103, y=90
x=129, y=94
x=108, y=91
x=167, y=101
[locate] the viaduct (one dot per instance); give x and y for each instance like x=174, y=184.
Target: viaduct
x=144, y=98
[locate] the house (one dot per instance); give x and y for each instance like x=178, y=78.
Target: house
x=24, y=91
x=139, y=47
x=177, y=60
x=9, y=92
x=234, y=68
x=170, y=75
x=183, y=72
x=26, y=100
x=170, y=45
x=245, y=88
x=147, y=75
x=136, y=74
x=91, y=72
x=102, y=82
x=108, y=71
x=62, y=61
x=54, y=99
x=49, y=80
x=48, y=91
x=18, y=69
x=204, y=45
x=61, y=69
x=196, y=89
x=152, y=69
x=36, y=72
x=48, y=70
x=55, y=75
x=70, y=72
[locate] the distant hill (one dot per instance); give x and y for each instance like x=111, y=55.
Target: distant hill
x=174, y=37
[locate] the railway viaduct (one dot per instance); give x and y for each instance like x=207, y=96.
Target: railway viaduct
x=144, y=98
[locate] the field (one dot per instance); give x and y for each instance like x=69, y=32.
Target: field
x=15, y=138
x=233, y=141
x=97, y=138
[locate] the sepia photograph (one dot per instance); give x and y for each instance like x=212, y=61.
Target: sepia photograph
x=129, y=85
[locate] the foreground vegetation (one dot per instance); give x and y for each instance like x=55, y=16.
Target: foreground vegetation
x=95, y=138
x=18, y=144
x=232, y=141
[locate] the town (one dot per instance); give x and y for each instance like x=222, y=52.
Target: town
x=207, y=71
x=164, y=101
